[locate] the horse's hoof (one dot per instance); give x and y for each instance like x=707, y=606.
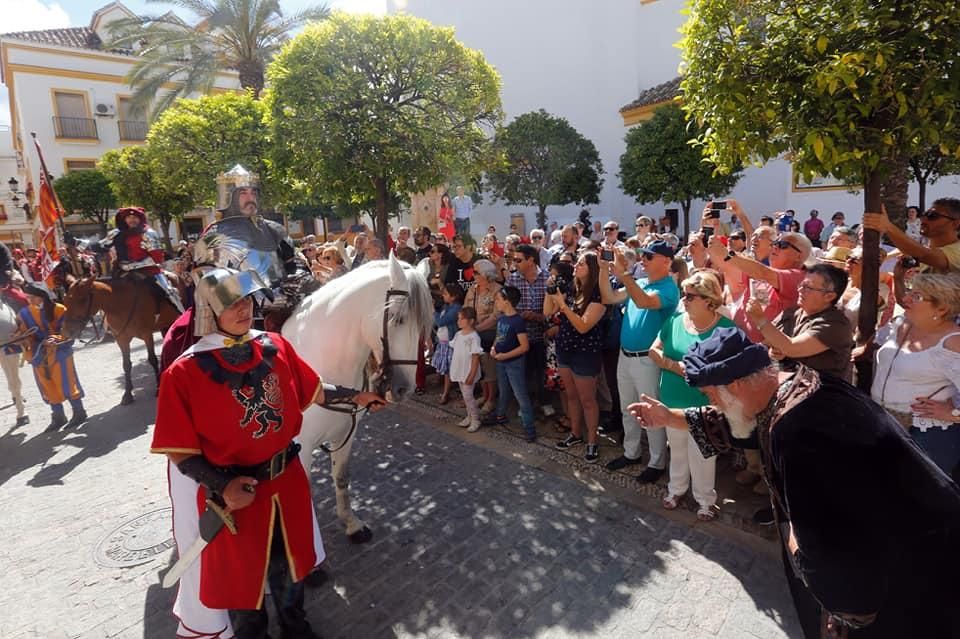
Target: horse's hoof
x=362, y=536
x=126, y=399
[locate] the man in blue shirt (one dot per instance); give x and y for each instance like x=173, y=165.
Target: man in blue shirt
x=462, y=208
x=650, y=301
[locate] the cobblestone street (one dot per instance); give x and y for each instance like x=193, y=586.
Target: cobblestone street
x=468, y=541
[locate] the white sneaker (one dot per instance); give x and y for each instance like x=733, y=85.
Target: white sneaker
x=548, y=410
x=474, y=427
x=464, y=422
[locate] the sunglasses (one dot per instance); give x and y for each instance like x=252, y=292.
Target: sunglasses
x=689, y=297
x=932, y=214
x=916, y=296
x=642, y=226
x=742, y=238
x=611, y=229
x=782, y=244
x=648, y=256
x=853, y=260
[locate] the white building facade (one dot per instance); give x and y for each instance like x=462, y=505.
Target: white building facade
x=71, y=92
x=588, y=61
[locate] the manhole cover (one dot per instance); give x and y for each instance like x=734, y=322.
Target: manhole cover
x=137, y=541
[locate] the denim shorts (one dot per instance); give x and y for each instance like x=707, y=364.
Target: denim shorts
x=580, y=364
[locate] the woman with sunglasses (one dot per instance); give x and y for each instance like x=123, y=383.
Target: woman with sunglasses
x=918, y=368
x=816, y=334
x=701, y=297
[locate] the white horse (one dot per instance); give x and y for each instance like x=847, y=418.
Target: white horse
x=10, y=362
x=378, y=311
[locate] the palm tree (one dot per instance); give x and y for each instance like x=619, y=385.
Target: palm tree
x=239, y=35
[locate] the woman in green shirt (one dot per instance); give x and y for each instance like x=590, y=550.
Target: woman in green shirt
x=701, y=295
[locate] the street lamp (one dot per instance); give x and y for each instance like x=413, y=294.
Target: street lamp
x=15, y=193
x=12, y=182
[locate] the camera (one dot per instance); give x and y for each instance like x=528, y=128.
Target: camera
x=908, y=262
x=559, y=284
x=713, y=214
x=718, y=205
x=606, y=255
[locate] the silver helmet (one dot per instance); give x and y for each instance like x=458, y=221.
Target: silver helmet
x=219, y=289
x=227, y=186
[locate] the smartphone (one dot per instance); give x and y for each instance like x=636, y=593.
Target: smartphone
x=705, y=233
x=718, y=205
x=606, y=255
x=713, y=214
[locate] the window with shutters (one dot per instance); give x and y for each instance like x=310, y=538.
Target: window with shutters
x=72, y=118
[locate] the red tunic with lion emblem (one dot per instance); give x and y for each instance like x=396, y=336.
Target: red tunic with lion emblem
x=243, y=415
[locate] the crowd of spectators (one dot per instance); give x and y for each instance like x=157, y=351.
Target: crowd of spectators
x=578, y=323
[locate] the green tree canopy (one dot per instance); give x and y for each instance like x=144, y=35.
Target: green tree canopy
x=195, y=140
x=135, y=180
x=544, y=161
x=364, y=107
x=929, y=165
x=241, y=35
x=847, y=88
x=660, y=163
x=87, y=193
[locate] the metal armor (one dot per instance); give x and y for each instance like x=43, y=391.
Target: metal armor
x=246, y=243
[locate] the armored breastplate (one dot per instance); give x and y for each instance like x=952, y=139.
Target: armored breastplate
x=242, y=243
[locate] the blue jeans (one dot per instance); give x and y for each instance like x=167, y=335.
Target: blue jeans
x=942, y=446
x=511, y=381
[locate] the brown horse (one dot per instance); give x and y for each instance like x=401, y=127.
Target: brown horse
x=133, y=308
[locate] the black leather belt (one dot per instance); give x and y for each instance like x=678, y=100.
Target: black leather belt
x=271, y=468
x=635, y=353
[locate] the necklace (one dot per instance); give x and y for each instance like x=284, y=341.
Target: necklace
x=713, y=320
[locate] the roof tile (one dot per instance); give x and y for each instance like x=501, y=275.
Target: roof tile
x=75, y=37
x=659, y=93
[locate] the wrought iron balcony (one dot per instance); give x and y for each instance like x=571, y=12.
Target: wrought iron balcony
x=132, y=130
x=77, y=128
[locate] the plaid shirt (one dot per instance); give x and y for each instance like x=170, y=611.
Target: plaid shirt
x=531, y=299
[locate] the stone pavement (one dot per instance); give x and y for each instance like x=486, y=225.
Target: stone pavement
x=468, y=541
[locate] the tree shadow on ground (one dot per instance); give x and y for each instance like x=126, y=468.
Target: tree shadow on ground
x=472, y=544
x=100, y=435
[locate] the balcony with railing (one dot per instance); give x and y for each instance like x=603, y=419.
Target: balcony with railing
x=132, y=130
x=75, y=128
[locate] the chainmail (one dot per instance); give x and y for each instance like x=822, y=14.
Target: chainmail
x=238, y=354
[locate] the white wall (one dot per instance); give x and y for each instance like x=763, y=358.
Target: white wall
x=584, y=61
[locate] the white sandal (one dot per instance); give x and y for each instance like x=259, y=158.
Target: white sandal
x=707, y=513
x=670, y=502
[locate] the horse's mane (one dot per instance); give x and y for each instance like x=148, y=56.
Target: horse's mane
x=418, y=305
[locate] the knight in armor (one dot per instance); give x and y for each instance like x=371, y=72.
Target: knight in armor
x=241, y=239
x=139, y=251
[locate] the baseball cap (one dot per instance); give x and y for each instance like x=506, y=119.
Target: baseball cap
x=659, y=247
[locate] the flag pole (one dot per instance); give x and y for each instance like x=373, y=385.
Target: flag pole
x=46, y=177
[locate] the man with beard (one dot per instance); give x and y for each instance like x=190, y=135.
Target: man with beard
x=462, y=264
x=569, y=243
x=421, y=242
x=869, y=526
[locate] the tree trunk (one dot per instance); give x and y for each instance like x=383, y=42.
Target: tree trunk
x=165, y=232
x=251, y=77
x=542, y=216
x=895, y=188
x=922, y=184
x=870, y=280
x=381, y=213
x=685, y=205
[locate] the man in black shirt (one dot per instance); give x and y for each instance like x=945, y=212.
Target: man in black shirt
x=421, y=240
x=463, y=258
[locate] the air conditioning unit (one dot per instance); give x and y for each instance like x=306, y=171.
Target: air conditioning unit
x=105, y=109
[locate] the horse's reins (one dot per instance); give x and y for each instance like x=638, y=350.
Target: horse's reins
x=383, y=372
x=88, y=314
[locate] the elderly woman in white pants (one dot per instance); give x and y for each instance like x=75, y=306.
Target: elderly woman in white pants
x=701, y=296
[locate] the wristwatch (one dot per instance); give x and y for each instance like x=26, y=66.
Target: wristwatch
x=955, y=412
x=730, y=254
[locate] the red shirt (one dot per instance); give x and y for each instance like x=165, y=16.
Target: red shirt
x=246, y=426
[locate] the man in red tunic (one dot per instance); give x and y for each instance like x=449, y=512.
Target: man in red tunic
x=228, y=412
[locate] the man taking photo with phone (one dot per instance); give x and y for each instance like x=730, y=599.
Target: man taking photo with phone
x=940, y=224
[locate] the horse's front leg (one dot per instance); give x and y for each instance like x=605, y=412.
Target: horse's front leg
x=152, y=358
x=357, y=531
x=127, y=381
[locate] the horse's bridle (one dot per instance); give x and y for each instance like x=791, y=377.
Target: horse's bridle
x=384, y=371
